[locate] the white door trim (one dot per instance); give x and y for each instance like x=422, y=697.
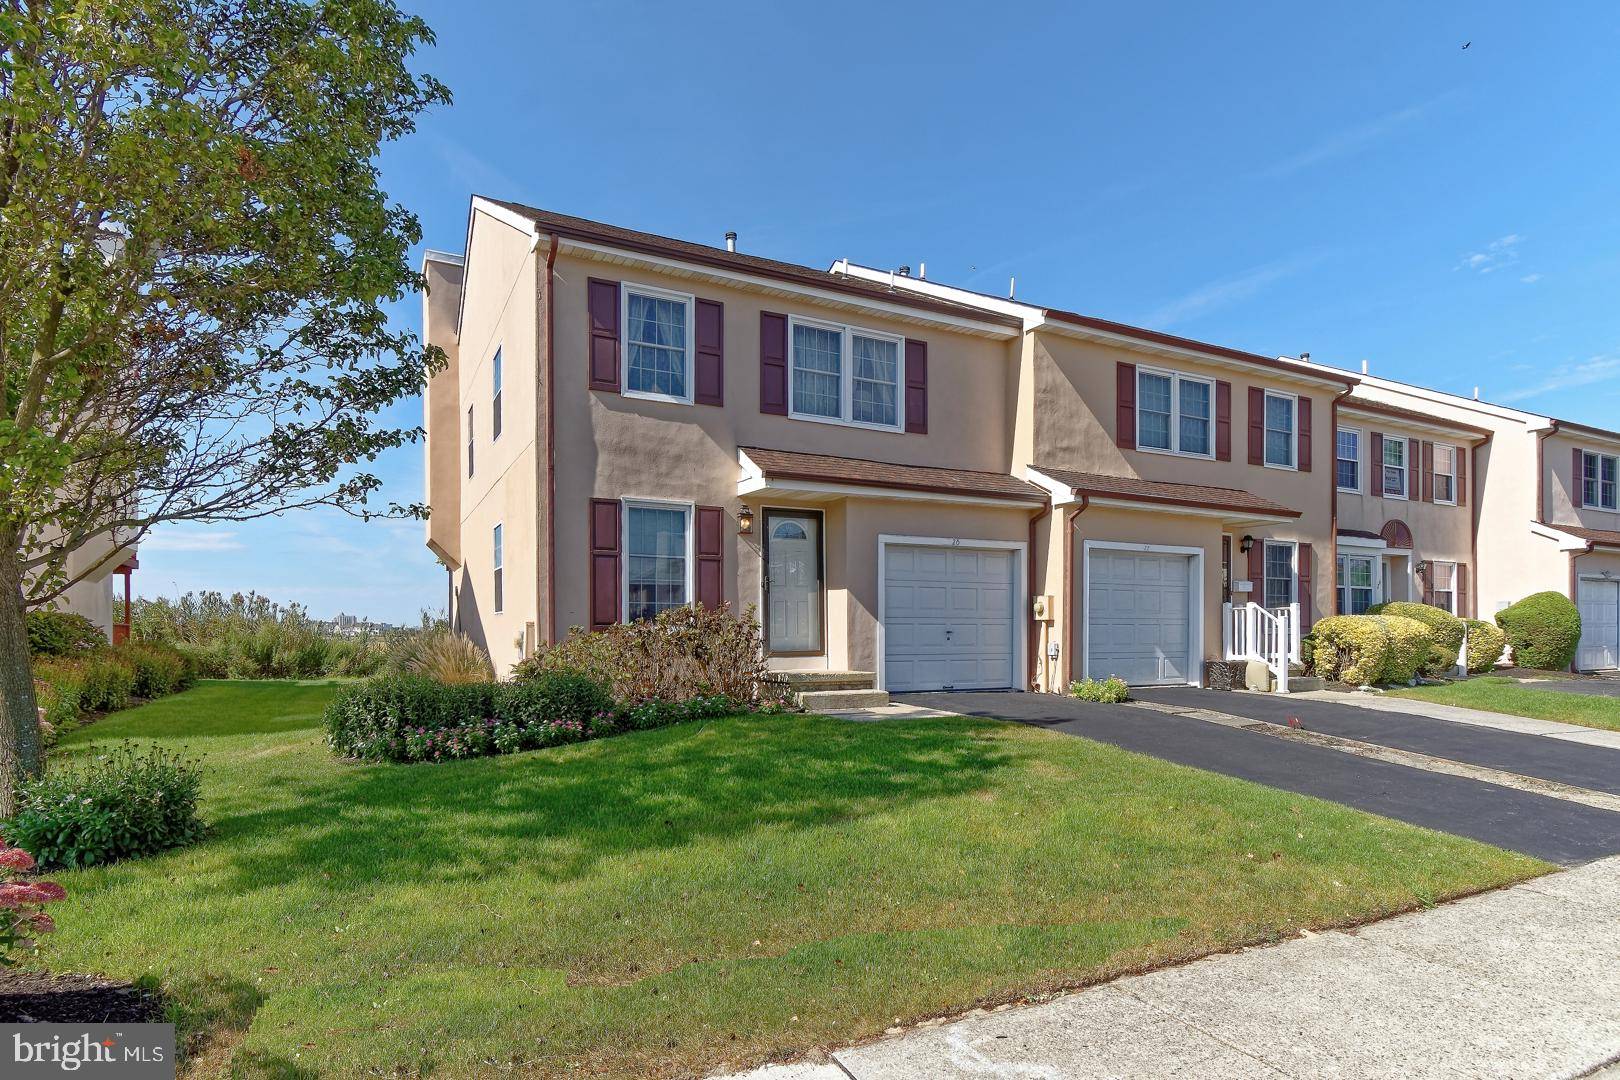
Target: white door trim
x=1195, y=604
x=1020, y=593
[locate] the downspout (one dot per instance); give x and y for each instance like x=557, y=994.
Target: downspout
x=1473, y=524
x=1541, y=471
x=1574, y=581
x=549, y=294
x=1068, y=587
x=1033, y=633
x=1333, y=514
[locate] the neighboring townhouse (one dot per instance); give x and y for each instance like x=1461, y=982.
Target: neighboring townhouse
x=104, y=595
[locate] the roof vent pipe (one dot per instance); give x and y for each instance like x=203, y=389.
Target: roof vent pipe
x=904, y=271
x=922, y=270
x=1476, y=393
x=1012, y=286
x=1364, y=367
x=1304, y=357
x=731, y=241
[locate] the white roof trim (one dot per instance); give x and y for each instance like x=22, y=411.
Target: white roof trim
x=1230, y=517
x=1565, y=541
x=754, y=482
x=1032, y=315
x=1126, y=341
x=1533, y=421
x=1062, y=494
x=1365, y=543
x=1348, y=407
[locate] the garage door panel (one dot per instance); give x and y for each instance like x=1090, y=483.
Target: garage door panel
x=1138, y=626
x=1599, y=605
x=955, y=628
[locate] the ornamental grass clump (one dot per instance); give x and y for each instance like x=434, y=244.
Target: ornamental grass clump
x=444, y=656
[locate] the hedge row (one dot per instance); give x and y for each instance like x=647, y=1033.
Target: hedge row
x=1396, y=642
x=107, y=679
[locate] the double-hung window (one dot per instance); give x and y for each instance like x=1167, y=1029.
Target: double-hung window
x=470, y=442
x=499, y=590
x=1279, y=582
x=846, y=375
x=1347, y=458
x=1445, y=474
x=1598, y=481
x=657, y=558
x=1443, y=584
x=1280, y=430
x=495, y=397
x=658, y=344
x=1394, y=467
x=1174, y=413
x=1355, y=581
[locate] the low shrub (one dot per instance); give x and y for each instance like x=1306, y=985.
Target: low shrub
x=1544, y=630
x=1350, y=648
x=1448, y=631
x=94, y=682
x=22, y=903
x=62, y=633
x=1109, y=691
x=119, y=804
x=59, y=707
x=1411, y=647
x=684, y=653
x=158, y=669
x=1485, y=644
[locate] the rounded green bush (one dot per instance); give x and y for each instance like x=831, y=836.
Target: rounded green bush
x=1485, y=644
x=1410, y=644
x=1350, y=648
x=1544, y=630
x=1448, y=633
x=62, y=633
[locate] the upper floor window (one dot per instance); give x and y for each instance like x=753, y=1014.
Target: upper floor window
x=1394, y=468
x=1280, y=429
x=843, y=374
x=1347, y=458
x=1445, y=474
x=499, y=590
x=657, y=344
x=469, y=440
x=1598, y=476
x=495, y=397
x=657, y=564
x=1173, y=413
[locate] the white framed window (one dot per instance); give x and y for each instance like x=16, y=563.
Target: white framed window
x=1356, y=575
x=495, y=396
x=1443, y=585
x=1598, y=481
x=1280, y=429
x=499, y=588
x=658, y=343
x=845, y=375
x=1347, y=459
x=470, y=441
x=657, y=557
x=1174, y=413
x=1394, y=467
x=1279, y=586
x=1445, y=474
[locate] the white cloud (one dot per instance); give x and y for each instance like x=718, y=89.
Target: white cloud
x=1224, y=292
x=1565, y=376
x=1349, y=141
x=1503, y=251
x=214, y=540
x=475, y=173
x=1530, y=279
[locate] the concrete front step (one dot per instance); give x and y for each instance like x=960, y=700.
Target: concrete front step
x=802, y=681
x=842, y=700
x=1304, y=684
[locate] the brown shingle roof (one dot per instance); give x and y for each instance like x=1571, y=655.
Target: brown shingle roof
x=825, y=468
x=1364, y=534
x=707, y=255
x=1600, y=537
x=1134, y=489
x=1379, y=408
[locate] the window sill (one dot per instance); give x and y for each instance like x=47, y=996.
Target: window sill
x=1174, y=453
x=1282, y=468
x=643, y=395
x=895, y=429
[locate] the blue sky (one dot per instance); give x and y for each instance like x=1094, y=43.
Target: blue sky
x=1350, y=182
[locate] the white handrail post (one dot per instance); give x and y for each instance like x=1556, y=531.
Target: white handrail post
x=1226, y=631
x=1289, y=626
x=1293, y=633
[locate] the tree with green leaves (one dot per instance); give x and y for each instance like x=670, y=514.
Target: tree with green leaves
x=195, y=256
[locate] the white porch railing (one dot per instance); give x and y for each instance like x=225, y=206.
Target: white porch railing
x=1252, y=632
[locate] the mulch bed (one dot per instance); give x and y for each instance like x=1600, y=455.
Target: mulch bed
x=35, y=997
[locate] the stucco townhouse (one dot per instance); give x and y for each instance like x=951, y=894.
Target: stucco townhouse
x=920, y=487
x=103, y=594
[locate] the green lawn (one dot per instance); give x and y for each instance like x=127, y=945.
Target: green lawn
x=1496, y=693
x=708, y=895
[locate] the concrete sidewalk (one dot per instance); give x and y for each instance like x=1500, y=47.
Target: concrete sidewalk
x=1520, y=983
x=1523, y=725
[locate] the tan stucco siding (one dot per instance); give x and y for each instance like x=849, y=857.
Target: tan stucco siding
x=1563, y=487
x=441, y=408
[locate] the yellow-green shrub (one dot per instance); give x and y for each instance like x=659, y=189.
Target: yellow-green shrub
x=1410, y=645
x=1485, y=644
x=1448, y=633
x=1350, y=648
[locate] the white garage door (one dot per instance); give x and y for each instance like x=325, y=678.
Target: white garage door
x=1600, y=625
x=1137, y=626
x=948, y=618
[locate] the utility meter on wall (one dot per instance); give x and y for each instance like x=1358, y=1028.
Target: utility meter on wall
x=1041, y=609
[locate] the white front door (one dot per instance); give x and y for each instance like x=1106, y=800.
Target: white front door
x=793, y=582
x=1599, y=603
x=1139, y=616
x=948, y=618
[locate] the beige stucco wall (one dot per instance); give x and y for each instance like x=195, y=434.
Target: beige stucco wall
x=1563, y=491
x=441, y=411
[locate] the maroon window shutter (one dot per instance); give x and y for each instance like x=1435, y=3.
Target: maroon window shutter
x=604, y=563
x=711, y=587
x=1462, y=611
x=1304, y=434
x=773, y=346
x=1307, y=606
x=1414, y=469
x=1223, y=421
x=1428, y=471
x=1375, y=465
x=1257, y=426
x=603, y=299
x=916, y=387
x=1257, y=570
x=1226, y=569
x=1462, y=476
x=709, y=366
x=1577, y=480
x=1125, y=406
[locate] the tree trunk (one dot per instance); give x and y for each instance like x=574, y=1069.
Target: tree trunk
x=19, y=712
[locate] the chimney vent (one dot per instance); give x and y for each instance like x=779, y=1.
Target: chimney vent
x=1012, y=287
x=922, y=270
x=1304, y=357
x=1364, y=367
x=904, y=271
x=731, y=241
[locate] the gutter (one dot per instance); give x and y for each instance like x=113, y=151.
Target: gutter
x=1068, y=587
x=1033, y=633
x=1473, y=523
x=1333, y=513
x=1541, y=470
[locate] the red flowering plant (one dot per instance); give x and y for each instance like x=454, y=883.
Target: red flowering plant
x=22, y=903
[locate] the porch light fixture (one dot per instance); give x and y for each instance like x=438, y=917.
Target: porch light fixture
x=1246, y=543
x=745, y=521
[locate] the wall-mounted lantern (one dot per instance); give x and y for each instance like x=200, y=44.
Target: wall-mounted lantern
x=745, y=521
x=1246, y=543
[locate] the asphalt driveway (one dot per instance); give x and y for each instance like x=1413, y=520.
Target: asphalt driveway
x=1552, y=829
x=1604, y=687
x=1594, y=767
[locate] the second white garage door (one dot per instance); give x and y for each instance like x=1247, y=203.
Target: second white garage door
x=1599, y=603
x=947, y=618
x=1137, y=624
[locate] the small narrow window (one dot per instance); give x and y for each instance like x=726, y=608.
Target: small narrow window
x=1279, y=430
x=495, y=401
x=1348, y=452
x=875, y=389
x=1153, y=405
x=1394, y=467
x=1355, y=584
x=1443, y=587
x=469, y=440
x=1445, y=474
x=498, y=592
x=818, y=371
x=1279, y=583
x=658, y=344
